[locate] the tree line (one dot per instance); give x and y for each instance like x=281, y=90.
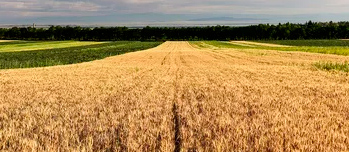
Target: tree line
x=287, y=31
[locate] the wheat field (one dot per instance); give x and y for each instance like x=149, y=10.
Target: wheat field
x=178, y=97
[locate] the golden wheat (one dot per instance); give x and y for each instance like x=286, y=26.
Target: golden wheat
x=177, y=97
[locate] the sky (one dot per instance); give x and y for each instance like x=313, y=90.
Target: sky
x=148, y=12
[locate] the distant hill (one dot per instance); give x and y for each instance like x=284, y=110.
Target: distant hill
x=224, y=19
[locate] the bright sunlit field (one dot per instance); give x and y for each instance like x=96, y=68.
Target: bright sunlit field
x=175, y=96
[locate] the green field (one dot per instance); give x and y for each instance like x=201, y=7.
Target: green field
x=14, y=46
x=313, y=46
x=17, y=55
x=27, y=54
x=325, y=49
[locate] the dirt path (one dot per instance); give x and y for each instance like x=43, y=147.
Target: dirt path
x=176, y=97
x=249, y=43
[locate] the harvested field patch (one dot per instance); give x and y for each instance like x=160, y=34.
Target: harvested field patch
x=7, y=41
x=250, y=43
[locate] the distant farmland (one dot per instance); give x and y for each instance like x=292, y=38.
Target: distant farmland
x=26, y=54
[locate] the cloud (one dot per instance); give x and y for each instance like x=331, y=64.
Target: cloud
x=73, y=8
x=47, y=7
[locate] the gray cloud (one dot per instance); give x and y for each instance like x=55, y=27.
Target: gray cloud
x=47, y=7
x=71, y=8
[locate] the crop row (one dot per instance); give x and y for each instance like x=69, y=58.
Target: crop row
x=71, y=55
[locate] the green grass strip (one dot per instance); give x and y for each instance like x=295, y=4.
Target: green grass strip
x=322, y=43
x=328, y=66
